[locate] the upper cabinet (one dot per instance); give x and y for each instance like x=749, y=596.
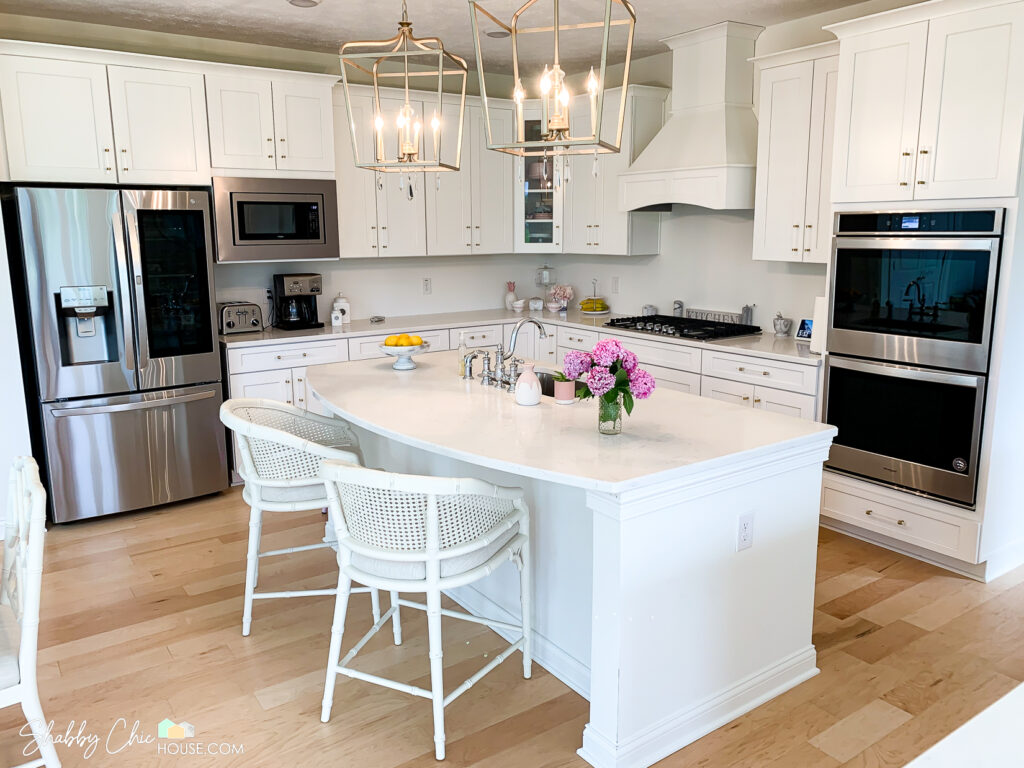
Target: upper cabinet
x=470, y=210
x=593, y=222
x=264, y=124
x=792, y=209
x=357, y=188
x=972, y=110
x=56, y=117
x=241, y=111
x=303, y=127
x=538, y=201
x=159, y=126
x=930, y=103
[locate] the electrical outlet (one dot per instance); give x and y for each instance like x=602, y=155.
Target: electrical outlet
x=745, y=532
x=426, y=286
x=615, y=285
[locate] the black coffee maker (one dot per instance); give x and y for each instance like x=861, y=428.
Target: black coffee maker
x=295, y=301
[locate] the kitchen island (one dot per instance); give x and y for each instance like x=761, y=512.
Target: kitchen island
x=647, y=599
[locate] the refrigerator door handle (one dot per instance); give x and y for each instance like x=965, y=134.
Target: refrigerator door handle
x=127, y=321
x=136, y=406
x=140, y=294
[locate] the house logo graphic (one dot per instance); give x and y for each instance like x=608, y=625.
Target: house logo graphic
x=168, y=729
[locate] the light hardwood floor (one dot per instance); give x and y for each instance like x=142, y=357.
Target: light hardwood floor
x=141, y=620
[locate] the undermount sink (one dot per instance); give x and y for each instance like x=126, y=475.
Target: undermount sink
x=547, y=383
x=923, y=326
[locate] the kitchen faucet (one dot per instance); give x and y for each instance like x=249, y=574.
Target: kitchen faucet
x=515, y=336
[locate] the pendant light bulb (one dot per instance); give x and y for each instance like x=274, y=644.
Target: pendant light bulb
x=563, y=97
x=545, y=81
x=518, y=95
x=435, y=123
x=592, y=83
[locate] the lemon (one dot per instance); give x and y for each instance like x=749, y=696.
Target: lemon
x=391, y=341
x=415, y=340
x=404, y=341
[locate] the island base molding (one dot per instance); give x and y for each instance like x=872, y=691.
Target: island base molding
x=688, y=725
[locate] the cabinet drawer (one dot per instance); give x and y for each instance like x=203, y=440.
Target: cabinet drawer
x=736, y=392
x=277, y=356
x=788, y=403
x=664, y=355
x=680, y=381
x=366, y=347
x=570, y=338
x=914, y=524
x=761, y=371
x=476, y=336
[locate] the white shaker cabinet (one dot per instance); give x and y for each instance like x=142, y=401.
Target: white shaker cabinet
x=303, y=126
x=792, y=209
x=241, y=113
x=401, y=211
x=877, y=114
x=593, y=221
x=357, y=196
x=56, y=117
x=972, y=110
x=449, y=196
x=272, y=385
x=931, y=103
x=492, y=179
x=160, y=126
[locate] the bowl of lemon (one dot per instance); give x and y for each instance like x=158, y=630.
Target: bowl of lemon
x=402, y=347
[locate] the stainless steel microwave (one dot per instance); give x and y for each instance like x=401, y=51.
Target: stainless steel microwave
x=275, y=219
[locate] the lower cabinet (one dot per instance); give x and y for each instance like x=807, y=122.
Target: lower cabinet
x=366, y=347
x=530, y=346
x=680, y=381
x=765, y=398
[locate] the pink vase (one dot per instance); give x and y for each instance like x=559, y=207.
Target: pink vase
x=565, y=392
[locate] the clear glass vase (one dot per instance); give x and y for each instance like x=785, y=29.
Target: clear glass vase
x=609, y=416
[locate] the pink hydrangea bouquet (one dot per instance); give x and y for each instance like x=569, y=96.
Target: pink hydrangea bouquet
x=611, y=374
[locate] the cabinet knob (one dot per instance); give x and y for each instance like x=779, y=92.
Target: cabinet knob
x=305, y=355
x=763, y=373
x=741, y=369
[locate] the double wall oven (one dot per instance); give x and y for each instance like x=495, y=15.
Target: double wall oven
x=912, y=298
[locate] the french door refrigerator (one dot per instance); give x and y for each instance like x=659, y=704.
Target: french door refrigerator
x=117, y=332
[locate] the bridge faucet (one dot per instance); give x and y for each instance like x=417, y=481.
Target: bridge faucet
x=515, y=336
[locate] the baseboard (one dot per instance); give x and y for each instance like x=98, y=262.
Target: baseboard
x=552, y=657
x=978, y=572
x=1004, y=560
x=684, y=727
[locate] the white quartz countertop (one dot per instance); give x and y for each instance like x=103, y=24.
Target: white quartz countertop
x=669, y=435
x=764, y=345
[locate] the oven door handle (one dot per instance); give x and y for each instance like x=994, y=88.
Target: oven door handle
x=917, y=243
x=907, y=372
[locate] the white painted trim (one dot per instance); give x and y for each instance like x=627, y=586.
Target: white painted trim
x=169, y=63
x=544, y=651
x=796, y=55
x=911, y=14
x=686, y=726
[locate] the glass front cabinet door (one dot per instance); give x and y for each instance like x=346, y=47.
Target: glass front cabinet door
x=538, y=198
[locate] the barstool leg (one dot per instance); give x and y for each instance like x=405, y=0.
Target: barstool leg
x=334, y=655
x=259, y=538
x=436, y=668
x=37, y=723
x=525, y=592
x=251, y=566
x=375, y=605
x=396, y=619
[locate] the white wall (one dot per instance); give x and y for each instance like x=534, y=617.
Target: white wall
x=705, y=261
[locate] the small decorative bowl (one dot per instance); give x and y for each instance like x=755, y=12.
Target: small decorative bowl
x=403, y=355
x=554, y=306
x=518, y=304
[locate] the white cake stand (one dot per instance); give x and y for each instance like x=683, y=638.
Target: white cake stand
x=403, y=355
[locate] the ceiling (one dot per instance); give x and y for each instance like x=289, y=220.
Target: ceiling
x=325, y=27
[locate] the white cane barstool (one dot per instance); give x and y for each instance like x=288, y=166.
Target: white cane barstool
x=281, y=448
x=408, y=533
x=19, y=603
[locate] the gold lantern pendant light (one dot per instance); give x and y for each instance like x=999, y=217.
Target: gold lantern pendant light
x=554, y=97
x=400, y=62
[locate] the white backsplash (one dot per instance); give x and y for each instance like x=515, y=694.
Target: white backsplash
x=705, y=261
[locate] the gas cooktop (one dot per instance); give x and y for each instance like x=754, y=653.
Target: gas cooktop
x=683, y=327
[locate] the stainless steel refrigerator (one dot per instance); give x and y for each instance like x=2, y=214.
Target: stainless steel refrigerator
x=118, y=336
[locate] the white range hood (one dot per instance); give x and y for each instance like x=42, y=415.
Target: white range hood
x=706, y=153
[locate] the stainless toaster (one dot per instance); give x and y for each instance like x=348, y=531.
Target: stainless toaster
x=239, y=317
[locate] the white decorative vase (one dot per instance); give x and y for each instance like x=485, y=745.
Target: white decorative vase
x=528, y=387
x=510, y=297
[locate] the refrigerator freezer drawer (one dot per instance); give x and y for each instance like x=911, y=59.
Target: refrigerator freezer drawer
x=117, y=454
